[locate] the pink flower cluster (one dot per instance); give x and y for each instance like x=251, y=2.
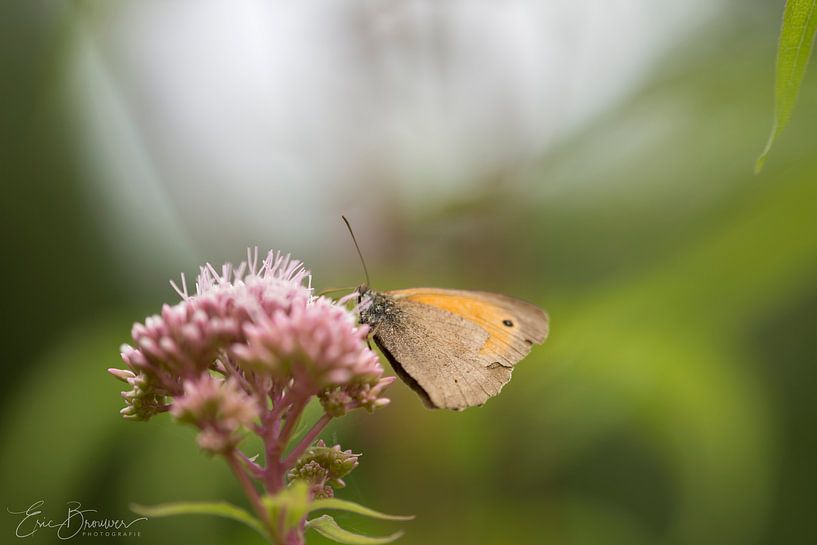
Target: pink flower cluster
x=247, y=352
x=250, y=335
x=219, y=408
x=321, y=349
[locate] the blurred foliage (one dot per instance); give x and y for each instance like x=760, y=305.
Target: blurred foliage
x=672, y=404
x=57, y=250
x=793, y=53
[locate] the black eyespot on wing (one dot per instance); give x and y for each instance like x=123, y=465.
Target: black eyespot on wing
x=507, y=323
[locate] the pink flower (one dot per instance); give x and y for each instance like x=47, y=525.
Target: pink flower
x=248, y=351
x=187, y=338
x=315, y=342
x=259, y=323
x=219, y=408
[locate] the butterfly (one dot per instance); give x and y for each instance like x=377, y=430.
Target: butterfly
x=455, y=348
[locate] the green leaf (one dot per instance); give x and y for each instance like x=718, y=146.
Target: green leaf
x=219, y=509
x=327, y=527
x=793, y=52
x=293, y=501
x=352, y=507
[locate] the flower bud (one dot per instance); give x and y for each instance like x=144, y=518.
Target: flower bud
x=322, y=468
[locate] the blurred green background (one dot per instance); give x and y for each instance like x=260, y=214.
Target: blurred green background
x=673, y=403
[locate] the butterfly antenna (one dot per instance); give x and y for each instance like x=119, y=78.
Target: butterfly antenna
x=357, y=247
x=333, y=290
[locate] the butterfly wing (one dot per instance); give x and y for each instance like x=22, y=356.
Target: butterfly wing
x=457, y=348
x=512, y=325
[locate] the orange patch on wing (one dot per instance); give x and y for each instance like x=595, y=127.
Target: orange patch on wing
x=483, y=313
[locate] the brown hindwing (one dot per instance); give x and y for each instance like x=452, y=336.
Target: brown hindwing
x=452, y=346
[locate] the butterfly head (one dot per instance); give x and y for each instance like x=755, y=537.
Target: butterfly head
x=374, y=307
